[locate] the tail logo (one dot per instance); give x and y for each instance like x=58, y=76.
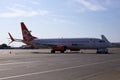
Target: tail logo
x=27, y=36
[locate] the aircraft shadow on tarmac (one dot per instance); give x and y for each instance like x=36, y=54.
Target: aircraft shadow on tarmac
x=67, y=53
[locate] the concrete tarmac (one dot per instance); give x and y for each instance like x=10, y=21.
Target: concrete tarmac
x=42, y=65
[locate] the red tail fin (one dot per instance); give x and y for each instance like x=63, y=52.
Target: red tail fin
x=26, y=33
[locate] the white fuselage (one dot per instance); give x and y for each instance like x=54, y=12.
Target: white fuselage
x=72, y=43
x=115, y=45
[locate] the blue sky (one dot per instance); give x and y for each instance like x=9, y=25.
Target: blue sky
x=60, y=18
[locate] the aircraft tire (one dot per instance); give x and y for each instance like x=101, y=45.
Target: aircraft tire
x=100, y=51
x=62, y=51
x=52, y=51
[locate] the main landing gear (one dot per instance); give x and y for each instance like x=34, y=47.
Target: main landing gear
x=53, y=51
x=104, y=51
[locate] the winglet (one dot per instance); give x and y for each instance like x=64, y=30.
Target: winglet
x=12, y=39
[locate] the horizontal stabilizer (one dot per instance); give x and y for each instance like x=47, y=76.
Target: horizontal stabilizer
x=12, y=39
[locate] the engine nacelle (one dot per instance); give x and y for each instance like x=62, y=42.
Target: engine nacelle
x=59, y=48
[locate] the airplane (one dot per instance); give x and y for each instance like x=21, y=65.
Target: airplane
x=63, y=44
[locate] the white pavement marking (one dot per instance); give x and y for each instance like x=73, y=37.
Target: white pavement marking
x=4, y=64
x=4, y=69
x=55, y=70
x=91, y=75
